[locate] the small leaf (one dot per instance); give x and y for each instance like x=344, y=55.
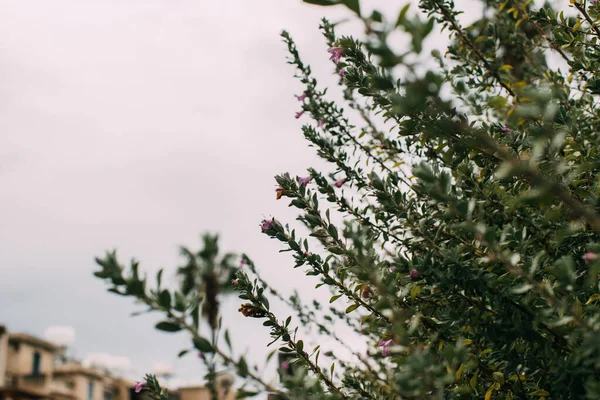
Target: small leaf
x=242, y=366
x=459, y=372
x=182, y=353
x=351, y=308
x=203, y=345
x=242, y=394
x=540, y=392
x=498, y=377
x=322, y=2
x=353, y=5
x=334, y=298
x=488, y=394
x=522, y=289
x=415, y=291
x=473, y=381
x=227, y=339
x=168, y=327
x=593, y=298
x=402, y=16
x=562, y=321
x=164, y=299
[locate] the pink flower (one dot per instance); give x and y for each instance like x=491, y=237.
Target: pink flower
x=336, y=53
x=338, y=184
x=285, y=365
x=235, y=282
x=506, y=130
x=342, y=73
x=386, y=347
x=301, y=97
x=139, y=386
x=201, y=356
x=266, y=225
x=590, y=256
x=304, y=181
x=242, y=263
x=415, y=274
x=393, y=269
x=299, y=114
x=321, y=123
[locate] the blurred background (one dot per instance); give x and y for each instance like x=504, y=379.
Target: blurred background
x=138, y=125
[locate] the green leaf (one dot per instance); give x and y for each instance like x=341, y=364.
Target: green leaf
x=522, y=289
x=323, y=2
x=352, y=307
x=593, y=298
x=182, y=353
x=203, y=345
x=164, y=299
x=168, y=326
x=334, y=298
x=335, y=250
x=159, y=278
x=242, y=394
x=353, y=5
x=402, y=15
x=242, y=367
x=227, y=339
x=540, y=392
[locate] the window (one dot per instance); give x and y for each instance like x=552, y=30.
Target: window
x=90, y=390
x=37, y=357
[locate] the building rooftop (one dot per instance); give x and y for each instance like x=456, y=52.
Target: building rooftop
x=29, y=339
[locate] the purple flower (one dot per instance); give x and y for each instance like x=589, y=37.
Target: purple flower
x=201, y=356
x=304, y=181
x=338, y=184
x=285, y=365
x=386, y=347
x=506, y=130
x=393, y=269
x=242, y=263
x=321, y=123
x=139, y=386
x=336, y=53
x=590, y=256
x=415, y=274
x=342, y=73
x=266, y=225
x=301, y=97
x=299, y=114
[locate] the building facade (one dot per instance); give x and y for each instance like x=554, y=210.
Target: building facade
x=33, y=369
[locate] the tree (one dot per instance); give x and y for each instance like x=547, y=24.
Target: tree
x=469, y=254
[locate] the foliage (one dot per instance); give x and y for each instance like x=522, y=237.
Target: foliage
x=468, y=256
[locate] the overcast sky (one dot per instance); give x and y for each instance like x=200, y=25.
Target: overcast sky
x=138, y=125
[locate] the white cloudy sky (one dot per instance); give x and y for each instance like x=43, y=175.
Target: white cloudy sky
x=139, y=124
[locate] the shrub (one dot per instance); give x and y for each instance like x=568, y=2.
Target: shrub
x=469, y=250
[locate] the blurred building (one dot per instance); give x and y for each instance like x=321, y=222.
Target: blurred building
x=35, y=369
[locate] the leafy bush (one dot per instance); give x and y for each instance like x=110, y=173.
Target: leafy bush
x=469, y=249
